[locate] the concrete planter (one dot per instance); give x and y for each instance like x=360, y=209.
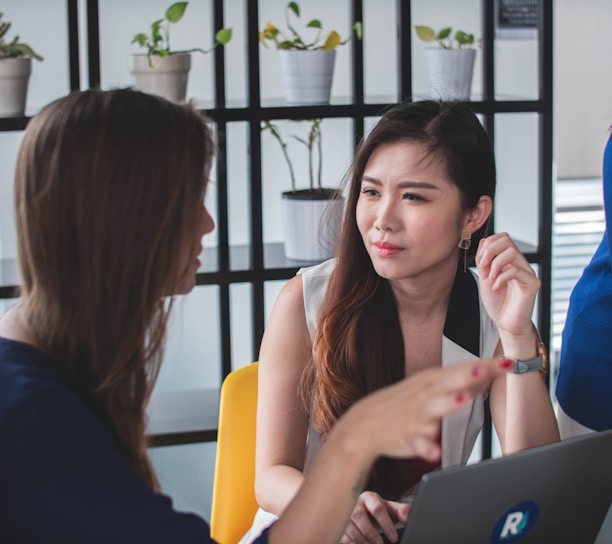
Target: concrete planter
x=307, y=75
x=14, y=79
x=449, y=73
x=168, y=78
x=311, y=223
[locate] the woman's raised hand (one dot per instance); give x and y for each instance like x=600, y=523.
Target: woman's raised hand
x=508, y=284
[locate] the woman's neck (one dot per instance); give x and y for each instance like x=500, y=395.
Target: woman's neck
x=423, y=298
x=13, y=326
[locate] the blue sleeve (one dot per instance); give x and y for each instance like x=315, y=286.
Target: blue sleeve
x=607, y=191
x=62, y=480
x=585, y=365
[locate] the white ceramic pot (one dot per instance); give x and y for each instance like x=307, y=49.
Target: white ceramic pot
x=307, y=75
x=167, y=78
x=311, y=225
x=14, y=79
x=449, y=73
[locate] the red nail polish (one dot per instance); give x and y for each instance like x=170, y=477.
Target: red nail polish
x=476, y=371
x=460, y=398
x=506, y=363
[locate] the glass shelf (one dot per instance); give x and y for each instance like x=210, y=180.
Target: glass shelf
x=276, y=266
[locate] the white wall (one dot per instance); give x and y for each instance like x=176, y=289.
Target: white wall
x=582, y=86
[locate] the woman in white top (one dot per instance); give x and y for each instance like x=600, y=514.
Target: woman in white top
x=399, y=299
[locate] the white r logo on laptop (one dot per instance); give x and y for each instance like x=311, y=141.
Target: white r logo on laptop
x=515, y=523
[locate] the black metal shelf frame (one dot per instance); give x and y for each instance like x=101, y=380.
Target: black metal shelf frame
x=260, y=267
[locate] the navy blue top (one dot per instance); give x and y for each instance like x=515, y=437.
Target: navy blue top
x=584, y=383
x=62, y=479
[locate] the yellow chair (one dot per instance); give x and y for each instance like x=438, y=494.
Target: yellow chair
x=233, y=497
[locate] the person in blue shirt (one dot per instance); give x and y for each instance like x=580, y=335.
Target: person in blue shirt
x=585, y=365
x=110, y=215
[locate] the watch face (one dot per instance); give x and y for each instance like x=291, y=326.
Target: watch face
x=544, y=355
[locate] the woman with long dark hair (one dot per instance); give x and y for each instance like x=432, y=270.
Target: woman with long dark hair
x=399, y=298
x=109, y=201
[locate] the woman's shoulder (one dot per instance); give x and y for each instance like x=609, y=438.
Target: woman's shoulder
x=34, y=401
x=24, y=371
x=321, y=270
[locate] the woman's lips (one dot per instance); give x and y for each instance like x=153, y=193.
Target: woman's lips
x=385, y=249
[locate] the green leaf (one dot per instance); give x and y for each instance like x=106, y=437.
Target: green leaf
x=425, y=33
x=223, y=36
x=140, y=39
x=4, y=27
x=155, y=26
x=294, y=7
x=444, y=33
x=463, y=38
x=315, y=23
x=176, y=11
x=358, y=28
x=286, y=44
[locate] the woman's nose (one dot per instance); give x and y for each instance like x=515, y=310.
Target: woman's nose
x=208, y=223
x=385, y=217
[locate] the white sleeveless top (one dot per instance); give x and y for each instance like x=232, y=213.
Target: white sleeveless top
x=469, y=333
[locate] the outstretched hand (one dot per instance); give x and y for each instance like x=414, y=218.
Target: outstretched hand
x=403, y=419
x=400, y=420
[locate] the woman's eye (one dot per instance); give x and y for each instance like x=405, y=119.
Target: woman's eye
x=412, y=196
x=369, y=191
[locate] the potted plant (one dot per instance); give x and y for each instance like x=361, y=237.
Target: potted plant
x=312, y=216
x=450, y=65
x=161, y=70
x=307, y=65
x=15, y=69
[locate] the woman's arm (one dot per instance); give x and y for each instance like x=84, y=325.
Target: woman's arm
x=520, y=404
x=282, y=423
x=402, y=420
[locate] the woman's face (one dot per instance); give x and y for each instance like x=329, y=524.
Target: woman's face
x=409, y=213
x=191, y=250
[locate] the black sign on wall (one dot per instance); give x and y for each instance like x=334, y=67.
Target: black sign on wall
x=516, y=19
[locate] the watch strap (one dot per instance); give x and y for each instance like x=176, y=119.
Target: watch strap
x=520, y=366
x=539, y=362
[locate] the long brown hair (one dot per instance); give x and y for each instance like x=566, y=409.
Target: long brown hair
x=107, y=186
x=358, y=343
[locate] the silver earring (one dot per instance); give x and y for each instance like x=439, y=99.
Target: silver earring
x=465, y=243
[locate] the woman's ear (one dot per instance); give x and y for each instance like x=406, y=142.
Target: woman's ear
x=479, y=214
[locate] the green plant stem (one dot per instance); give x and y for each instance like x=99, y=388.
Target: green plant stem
x=269, y=126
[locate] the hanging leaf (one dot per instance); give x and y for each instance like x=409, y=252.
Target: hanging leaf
x=223, y=36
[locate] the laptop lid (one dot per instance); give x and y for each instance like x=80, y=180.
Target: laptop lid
x=554, y=493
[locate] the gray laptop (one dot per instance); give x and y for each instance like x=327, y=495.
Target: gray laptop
x=559, y=493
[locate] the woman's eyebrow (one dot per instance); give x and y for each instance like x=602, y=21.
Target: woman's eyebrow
x=402, y=184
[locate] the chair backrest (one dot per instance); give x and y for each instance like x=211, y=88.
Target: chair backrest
x=233, y=498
